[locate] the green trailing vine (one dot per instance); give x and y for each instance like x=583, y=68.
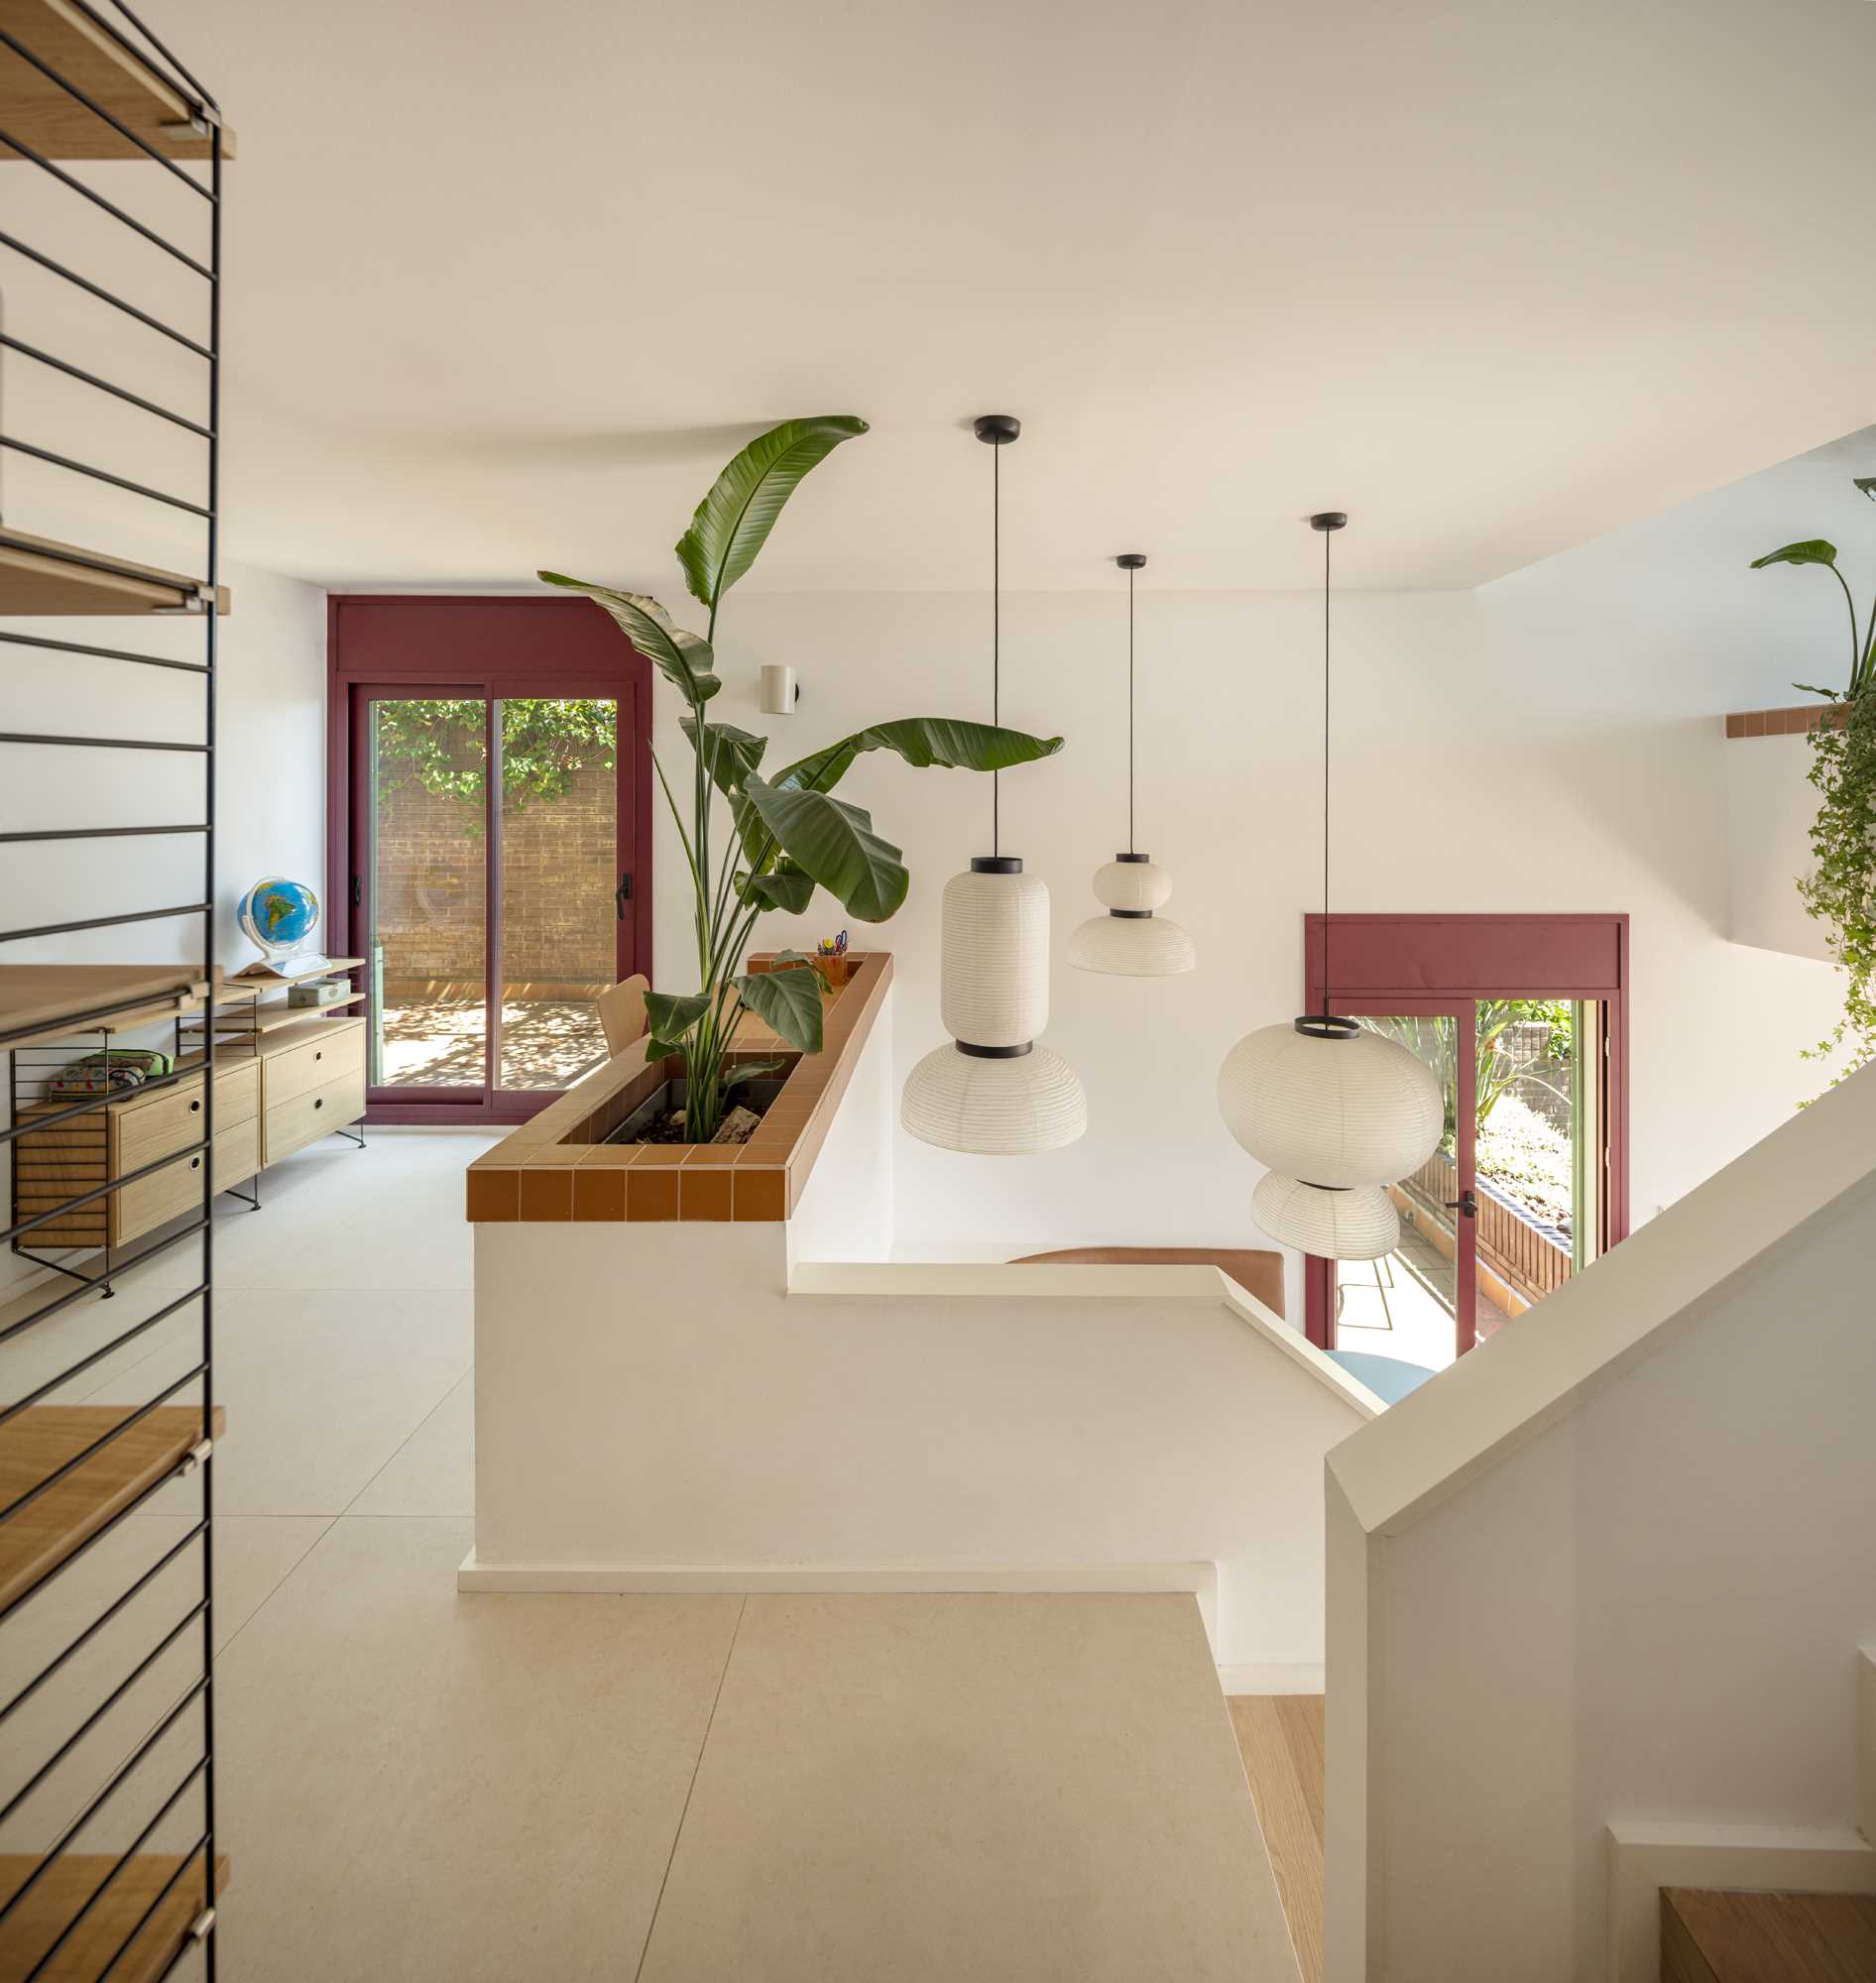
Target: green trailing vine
x=1840, y=891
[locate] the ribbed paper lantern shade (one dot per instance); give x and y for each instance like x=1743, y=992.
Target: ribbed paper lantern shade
x=1357, y=1225
x=1131, y=940
x=992, y=1092
x=1343, y=1112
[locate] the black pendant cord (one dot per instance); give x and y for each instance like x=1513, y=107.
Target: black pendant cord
x=1329, y=1003
x=1129, y=710
x=997, y=593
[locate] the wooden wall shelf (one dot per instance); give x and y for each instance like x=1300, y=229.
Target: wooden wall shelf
x=41, y=1440
x=39, y=1001
x=65, y=1888
x=42, y=115
x=40, y=576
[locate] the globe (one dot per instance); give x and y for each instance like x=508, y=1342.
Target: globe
x=278, y=915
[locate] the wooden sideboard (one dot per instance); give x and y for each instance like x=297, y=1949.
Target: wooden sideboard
x=286, y=1089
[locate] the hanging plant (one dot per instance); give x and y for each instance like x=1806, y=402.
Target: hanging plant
x=1840, y=891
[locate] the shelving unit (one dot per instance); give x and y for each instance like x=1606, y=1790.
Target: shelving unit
x=85, y=79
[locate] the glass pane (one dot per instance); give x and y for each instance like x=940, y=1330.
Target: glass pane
x=1404, y=1305
x=560, y=871
x=428, y=896
x=1536, y=1152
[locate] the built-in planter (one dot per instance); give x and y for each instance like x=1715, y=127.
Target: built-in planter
x=560, y=1166
x=1770, y=806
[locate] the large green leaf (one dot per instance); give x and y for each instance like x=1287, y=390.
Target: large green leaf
x=681, y=658
x=1866, y=483
x=1814, y=550
x=786, y=889
x=671, y=1016
x=733, y=752
x=789, y=1000
x=922, y=740
x=734, y=520
x=836, y=844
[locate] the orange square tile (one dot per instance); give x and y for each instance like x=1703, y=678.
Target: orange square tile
x=654, y=1156
x=762, y=1192
x=1755, y=723
x=650, y=1193
x=493, y=1195
x=546, y=1193
x=611, y=1156
x=598, y=1193
x=704, y=1193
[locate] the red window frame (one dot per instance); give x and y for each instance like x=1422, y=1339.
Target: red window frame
x=491, y=645
x=1403, y=963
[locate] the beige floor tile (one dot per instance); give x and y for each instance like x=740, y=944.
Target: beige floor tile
x=420, y=1785
x=321, y=1389
x=434, y=1471
x=985, y=1787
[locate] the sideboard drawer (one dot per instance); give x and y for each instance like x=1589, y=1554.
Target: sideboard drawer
x=176, y=1189
x=339, y=1048
x=292, y=1126
x=171, y=1118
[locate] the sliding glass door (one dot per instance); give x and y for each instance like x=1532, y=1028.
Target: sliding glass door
x=1522, y=1021
x=493, y=882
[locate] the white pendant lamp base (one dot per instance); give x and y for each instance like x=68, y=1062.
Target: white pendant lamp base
x=1002, y=1108
x=1357, y=1225
x=1131, y=947
x=1342, y=1106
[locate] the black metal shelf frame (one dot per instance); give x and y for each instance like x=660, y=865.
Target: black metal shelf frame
x=28, y=1065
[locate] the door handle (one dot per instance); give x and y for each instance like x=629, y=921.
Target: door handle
x=623, y=894
x=1465, y=1205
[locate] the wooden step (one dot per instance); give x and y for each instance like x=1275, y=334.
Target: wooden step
x=39, y=1918
x=1280, y=1737
x=41, y=114
x=1730, y=1937
x=34, y=1446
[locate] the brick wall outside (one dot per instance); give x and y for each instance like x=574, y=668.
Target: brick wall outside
x=557, y=868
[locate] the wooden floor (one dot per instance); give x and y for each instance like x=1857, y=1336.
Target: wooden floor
x=1280, y=1737
x=1729, y=1937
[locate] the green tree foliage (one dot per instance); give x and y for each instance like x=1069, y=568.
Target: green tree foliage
x=439, y=743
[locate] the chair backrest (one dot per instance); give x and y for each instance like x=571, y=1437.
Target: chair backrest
x=622, y=1012
x=1257, y=1271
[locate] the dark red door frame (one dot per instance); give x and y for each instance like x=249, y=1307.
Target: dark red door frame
x=491, y=647
x=1425, y=963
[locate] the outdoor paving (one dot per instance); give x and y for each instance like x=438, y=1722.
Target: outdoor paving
x=440, y=1043
x=1402, y=1305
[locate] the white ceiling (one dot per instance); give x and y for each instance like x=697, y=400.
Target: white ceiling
x=508, y=283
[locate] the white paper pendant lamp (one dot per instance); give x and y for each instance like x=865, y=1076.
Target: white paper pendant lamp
x=1335, y=1112
x=1360, y=1224
x=1132, y=940
x=991, y=1090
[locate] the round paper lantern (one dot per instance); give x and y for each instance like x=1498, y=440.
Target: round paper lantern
x=1331, y=1102
x=1356, y=1225
x=994, y=1107
x=1130, y=940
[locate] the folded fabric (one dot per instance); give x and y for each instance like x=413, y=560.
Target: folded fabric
x=114, y=1070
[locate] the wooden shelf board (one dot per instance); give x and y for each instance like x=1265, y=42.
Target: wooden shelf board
x=1772, y=1937
x=39, y=577
x=68, y=1884
x=39, y=113
x=40, y=1000
x=271, y=1015
x=35, y=1540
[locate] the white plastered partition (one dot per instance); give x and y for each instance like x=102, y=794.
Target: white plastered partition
x=1612, y=1569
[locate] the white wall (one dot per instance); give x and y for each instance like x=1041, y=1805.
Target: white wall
x=1771, y=805
x=1612, y=1571
x=1551, y=743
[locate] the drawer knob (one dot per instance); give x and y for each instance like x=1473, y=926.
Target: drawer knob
x=196, y=1106
x=195, y=1163
x=318, y=1053
x=320, y=1103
